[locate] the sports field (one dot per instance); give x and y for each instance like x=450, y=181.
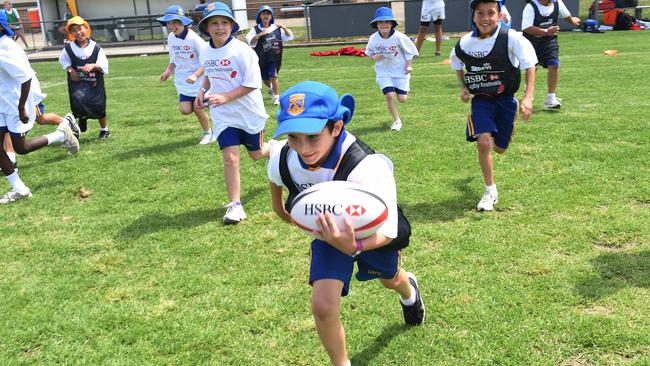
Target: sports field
x=120, y=257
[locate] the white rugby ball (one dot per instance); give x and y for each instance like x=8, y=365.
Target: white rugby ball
x=342, y=199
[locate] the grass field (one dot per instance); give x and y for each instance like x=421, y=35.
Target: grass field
x=141, y=271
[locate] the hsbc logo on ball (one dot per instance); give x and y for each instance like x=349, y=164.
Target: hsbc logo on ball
x=355, y=210
x=314, y=209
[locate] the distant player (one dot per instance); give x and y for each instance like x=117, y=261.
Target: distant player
x=539, y=25
x=184, y=47
x=492, y=58
x=86, y=64
x=231, y=86
x=432, y=11
x=20, y=103
x=267, y=39
x=319, y=149
x=393, y=53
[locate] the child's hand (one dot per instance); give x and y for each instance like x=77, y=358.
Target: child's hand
x=88, y=68
x=409, y=69
x=377, y=57
x=553, y=30
x=216, y=99
x=465, y=95
x=526, y=108
x=191, y=79
x=343, y=240
x=74, y=75
x=23, y=115
x=575, y=21
x=198, y=101
x=164, y=76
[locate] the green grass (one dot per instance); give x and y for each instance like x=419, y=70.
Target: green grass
x=143, y=272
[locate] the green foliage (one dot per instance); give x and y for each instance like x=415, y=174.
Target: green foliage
x=141, y=271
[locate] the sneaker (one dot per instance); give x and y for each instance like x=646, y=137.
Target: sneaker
x=83, y=124
x=207, y=138
x=13, y=196
x=276, y=99
x=103, y=135
x=73, y=124
x=437, y=53
x=234, y=213
x=69, y=140
x=553, y=103
x=396, y=126
x=488, y=201
x=414, y=314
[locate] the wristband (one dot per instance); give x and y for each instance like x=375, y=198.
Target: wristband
x=359, y=248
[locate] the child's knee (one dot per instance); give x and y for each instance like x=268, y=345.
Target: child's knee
x=256, y=155
x=498, y=150
x=231, y=161
x=402, y=97
x=185, y=108
x=323, y=308
x=484, y=142
x=390, y=96
x=391, y=283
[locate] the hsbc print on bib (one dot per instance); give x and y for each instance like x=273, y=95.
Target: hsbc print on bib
x=341, y=199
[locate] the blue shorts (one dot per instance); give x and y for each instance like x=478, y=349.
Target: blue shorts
x=270, y=71
x=184, y=98
x=495, y=115
x=232, y=136
x=392, y=89
x=328, y=262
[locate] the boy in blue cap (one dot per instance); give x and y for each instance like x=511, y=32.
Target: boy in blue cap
x=231, y=86
x=319, y=149
x=539, y=25
x=267, y=38
x=184, y=49
x=20, y=104
x=393, y=53
x=493, y=58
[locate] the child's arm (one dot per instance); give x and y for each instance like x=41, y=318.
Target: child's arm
x=277, y=202
x=24, y=93
x=167, y=73
x=574, y=21
x=464, y=92
x=287, y=32
x=223, y=98
x=408, y=68
x=195, y=76
x=527, y=100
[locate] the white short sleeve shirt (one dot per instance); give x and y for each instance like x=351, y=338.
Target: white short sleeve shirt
x=184, y=54
x=528, y=15
x=84, y=53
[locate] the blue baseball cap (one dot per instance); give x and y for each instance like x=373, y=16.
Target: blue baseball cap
x=591, y=25
x=4, y=23
x=384, y=13
x=265, y=8
x=174, y=12
x=307, y=106
x=217, y=9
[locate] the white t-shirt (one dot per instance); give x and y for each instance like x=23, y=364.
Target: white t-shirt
x=184, y=54
x=227, y=68
x=375, y=172
x=251, y=33
x=14, y=71
x=520, y=52
x=528, y=16
x=84, y=53
x=396, y=50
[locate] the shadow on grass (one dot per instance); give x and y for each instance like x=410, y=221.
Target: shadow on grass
x=616, y=271
x=155, y=149
x=444, y=210
x=364, y=357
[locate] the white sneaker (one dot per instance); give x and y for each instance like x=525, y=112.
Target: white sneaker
x=13, y=196
x=207, y=138
x=271, y=93
x=276, y=99
x=70, y=140
x=488, y=201
x=234, y=213
x=553, y=103
x=396, y=126
x=73, y=124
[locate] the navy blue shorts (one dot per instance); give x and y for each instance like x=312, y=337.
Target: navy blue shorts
x=392, y=89
x=495, y=115
x=547, y=51
x=232, y=136
x=328, y=262
x=270, y=70
x=185, y=98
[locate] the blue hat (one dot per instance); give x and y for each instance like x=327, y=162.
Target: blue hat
x=265, y=8
x=384, y=13
x=174, y=12
x=591, y=25
x=474, y=3
x=307, y=106
x=4, y=23
x=214, y=9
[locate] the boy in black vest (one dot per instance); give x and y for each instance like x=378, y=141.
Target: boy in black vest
x=539, y=25
x=319, y=149
x=86, y=64
x=267, y=39
x=492, y=58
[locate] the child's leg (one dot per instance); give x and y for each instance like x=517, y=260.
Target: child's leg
x=553, y=77
x=103, y=123
x=392, y=107
x=484, y=146
x=325, y=306
x=402, y=98
x=23, y=146
x=231, y=172
x=276, y=85
x=185, y=107
x=422, y=32
x=437, y=31
x=204, y=121
x=400, y=284
x=49, y=119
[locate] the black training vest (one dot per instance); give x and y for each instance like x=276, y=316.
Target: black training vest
x=544, y=22
x=88, y=96
x=269, y=47
x=493, y=75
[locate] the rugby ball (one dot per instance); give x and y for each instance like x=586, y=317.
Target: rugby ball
x=342, y=199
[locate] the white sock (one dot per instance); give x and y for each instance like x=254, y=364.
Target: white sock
x=207, y=132
x=16, y=183
x=12, y=157
x=491, y=189
x=103, y=128
x=550, y=95
x=348, y=363
x=55, y=137
x=411, y=300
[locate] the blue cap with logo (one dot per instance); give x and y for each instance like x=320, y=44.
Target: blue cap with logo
x=262, y=8
x=591, y=25
x=307, y=106
x=4, y=23
x=217, y=9
x=174, y=12
x=386, y=14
